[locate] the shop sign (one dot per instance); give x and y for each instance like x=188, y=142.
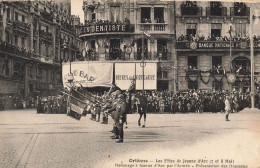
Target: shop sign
x=105, y=28
x=125, y=73
x=88, y=74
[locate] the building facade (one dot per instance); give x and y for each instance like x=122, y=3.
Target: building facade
x=36, y=37
x=205, y=52
x=113, y=32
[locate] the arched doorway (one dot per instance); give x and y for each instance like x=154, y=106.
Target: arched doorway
x=241, y=66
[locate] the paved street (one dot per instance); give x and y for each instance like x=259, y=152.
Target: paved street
x=35, y=140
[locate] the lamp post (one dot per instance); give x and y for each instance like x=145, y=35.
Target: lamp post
x=252, y=59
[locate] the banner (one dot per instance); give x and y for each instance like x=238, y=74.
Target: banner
x=88, y=74
x=126, y=72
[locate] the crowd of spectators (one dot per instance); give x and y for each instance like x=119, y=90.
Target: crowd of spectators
x=196, y=101
x=52, y=104
x=201, y=37
x=16, y=101
x=157, y=101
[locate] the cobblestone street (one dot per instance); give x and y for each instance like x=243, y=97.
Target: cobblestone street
x=35, y=140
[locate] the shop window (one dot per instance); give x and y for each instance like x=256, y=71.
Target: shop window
x=193, y=85
x=159, y=15
x=192, y=62
x=215, y=31
x=145, y=15
x=191, y=29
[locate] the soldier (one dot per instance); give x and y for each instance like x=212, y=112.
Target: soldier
x=119, y=117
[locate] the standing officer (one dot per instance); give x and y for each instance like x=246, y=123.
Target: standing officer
x=119, y=117
x=227, y=107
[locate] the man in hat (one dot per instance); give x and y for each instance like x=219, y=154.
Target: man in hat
x=227, y=107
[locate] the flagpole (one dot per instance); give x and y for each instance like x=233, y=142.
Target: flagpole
x=252, y=59
x=143, y=59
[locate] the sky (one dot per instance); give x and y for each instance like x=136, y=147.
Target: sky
x=76, y=9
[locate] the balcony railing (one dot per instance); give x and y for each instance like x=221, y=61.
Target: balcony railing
x=216, y=45
x=216, y=11
x=240, y=12
x=21, y=25
x=191, y=11
x=13, y=49
x=45, y=35
x=46, y=16
x=156, y=27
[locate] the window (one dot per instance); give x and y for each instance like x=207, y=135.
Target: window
x=162, y=49
x=215, y=30
x=165, y=74
x=189, y=8
x=240, y=9
x=145, y=15
x=191, y=29
x=93, y=14
x=23, y=18
x=217, y=85
x=16, y=16
x=47, y=28
x=193, y=85
x=240, y=29
x=16, y=40
x=215, y=8
x=115, y=12
x=139, y=49
x=92, y=44
x=23, y=41
x=115, y=51
x=192, y=62
x=8, y=13
x=216, y=61
x=159, y=15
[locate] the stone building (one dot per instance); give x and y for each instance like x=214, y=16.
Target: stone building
x=113, y=32
x=204, y=55
x=36, y=37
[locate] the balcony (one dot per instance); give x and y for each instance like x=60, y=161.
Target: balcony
x=45, y=35
x=215, y=45
x=47, y=16
x=191, y=12
x=244, y=12
x=13, y=49
x=18, y=25
x=216, y=11
x=153, y=27
x=45, y=59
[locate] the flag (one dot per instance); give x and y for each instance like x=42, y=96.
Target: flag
x=77, y=104
x=132, y=87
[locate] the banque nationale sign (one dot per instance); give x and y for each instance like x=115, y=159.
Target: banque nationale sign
x=105, y=28
x=215, y=45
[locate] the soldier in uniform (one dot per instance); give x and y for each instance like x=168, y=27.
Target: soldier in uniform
x=119, y=117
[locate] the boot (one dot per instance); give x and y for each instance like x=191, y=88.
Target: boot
x=104, y=121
